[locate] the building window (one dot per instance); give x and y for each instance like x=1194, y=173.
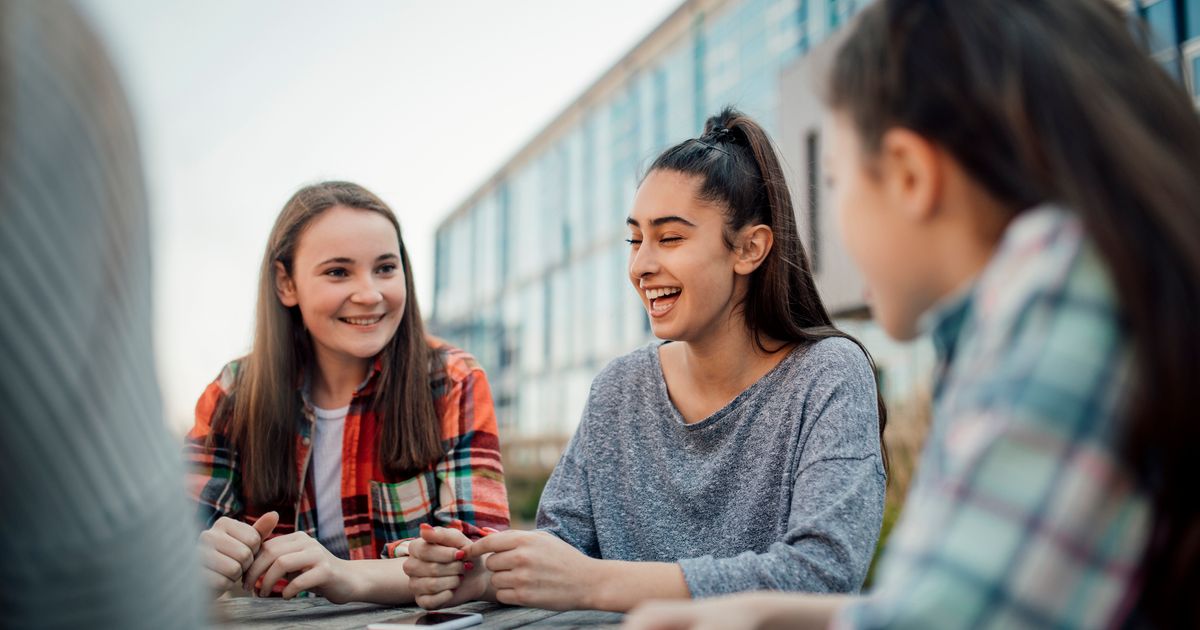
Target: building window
x=840, y=11
x=1160, y=15
x=813, y=158
x=1193, y=64
x=802, y=23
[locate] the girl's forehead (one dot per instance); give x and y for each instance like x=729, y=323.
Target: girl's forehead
x=669, y=194
x=348, y=233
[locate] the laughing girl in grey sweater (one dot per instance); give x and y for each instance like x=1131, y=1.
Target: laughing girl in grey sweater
x=742, y=454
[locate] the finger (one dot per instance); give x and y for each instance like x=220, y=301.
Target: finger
x=222, y=564
x=285, y=564
x=275, y=548
x=505, y=561
x=661, y=616
x=435, y=585
x=508, y=596
x=266, y=524
x=506, y=579
x=435, y=601
x=239, y=531
x=216, y=582
x=233, y=548
x=419, y=568
x=504, y=541
x=444, y=536
x=307, y=581
x=431, y=552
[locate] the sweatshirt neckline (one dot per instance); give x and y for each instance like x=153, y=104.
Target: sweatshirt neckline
x=664, y=396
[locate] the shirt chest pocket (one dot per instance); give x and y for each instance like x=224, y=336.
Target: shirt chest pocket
x=398, y=509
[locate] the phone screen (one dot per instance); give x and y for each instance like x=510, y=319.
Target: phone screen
x=434, y=618
x=429, y=620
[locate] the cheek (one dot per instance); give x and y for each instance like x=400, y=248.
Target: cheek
x=883, y=254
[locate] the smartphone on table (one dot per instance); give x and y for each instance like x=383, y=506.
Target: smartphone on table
x=430, y=621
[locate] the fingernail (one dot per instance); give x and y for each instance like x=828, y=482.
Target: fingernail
x=469, y=565
x=426, y=526
x=460, y=554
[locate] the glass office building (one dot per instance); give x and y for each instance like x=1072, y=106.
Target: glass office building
x=531, y=267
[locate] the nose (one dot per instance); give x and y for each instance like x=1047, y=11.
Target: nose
x=367, y=293
x=643, y=261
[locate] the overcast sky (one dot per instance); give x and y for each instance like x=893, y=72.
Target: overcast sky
x=240, y=103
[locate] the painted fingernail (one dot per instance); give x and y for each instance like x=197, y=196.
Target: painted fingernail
x=469, y=565
x=426, y=526
x=460, y=554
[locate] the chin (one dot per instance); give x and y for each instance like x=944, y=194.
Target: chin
x=898, y=328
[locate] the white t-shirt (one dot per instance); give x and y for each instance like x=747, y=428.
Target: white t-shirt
x=327, y=479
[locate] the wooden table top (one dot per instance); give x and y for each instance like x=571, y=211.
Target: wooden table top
x=316, y=612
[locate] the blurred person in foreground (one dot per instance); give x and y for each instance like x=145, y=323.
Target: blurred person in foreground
x=1020, y=180
x=95, y=531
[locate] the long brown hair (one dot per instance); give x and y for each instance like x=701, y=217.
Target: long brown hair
x=740, y=171
x=1056, y=101
x=264, y=405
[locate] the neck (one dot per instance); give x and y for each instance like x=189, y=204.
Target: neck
x=335, y=379
x=728, y=360
x=974, y=226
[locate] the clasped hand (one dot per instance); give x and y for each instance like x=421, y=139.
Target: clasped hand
x=235, y=552
x=521, y=568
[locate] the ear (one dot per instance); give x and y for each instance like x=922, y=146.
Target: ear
x=754, y=243
x=911, y=173
x=285, y=287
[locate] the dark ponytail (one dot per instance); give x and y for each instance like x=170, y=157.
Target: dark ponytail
x=1055, y=101
x=740, y=171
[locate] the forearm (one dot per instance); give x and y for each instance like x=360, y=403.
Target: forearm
x=619, y=586
x=791, y=611
x=380, y=581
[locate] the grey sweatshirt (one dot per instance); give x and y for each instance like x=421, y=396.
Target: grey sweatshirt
x=783, y=488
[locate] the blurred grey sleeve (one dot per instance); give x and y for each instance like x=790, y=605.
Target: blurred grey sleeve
x=95, y=529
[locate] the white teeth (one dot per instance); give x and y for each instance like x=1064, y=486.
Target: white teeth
x=362, y=321
x=654, y=294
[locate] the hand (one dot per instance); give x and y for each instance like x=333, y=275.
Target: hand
x=725, y=613
x=536, y=569
x=308, y=566
x=228, y=549
x=761, y=611
x=437, y=572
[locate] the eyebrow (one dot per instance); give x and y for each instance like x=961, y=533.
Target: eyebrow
x=350, y=261
x=660, y=221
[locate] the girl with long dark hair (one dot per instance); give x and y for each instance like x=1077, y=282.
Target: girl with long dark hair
x=1022, y=181
x=741, y=453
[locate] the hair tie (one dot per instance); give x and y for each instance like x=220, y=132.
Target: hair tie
x=714, y=147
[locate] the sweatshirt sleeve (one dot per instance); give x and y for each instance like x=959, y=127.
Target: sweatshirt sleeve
x=565, y=509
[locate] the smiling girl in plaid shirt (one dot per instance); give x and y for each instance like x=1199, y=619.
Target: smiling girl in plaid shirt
x=345, y=429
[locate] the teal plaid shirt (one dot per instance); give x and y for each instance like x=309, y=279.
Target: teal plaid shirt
x=1021, y=514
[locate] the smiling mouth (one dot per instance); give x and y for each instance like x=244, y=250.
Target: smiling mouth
x=661, y=300
x=362, y=321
